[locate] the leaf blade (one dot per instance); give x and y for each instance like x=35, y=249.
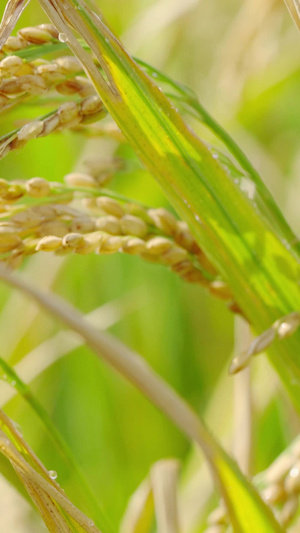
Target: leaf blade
x=261, y=270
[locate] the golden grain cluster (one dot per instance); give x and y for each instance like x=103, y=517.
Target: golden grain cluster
x=77, y=217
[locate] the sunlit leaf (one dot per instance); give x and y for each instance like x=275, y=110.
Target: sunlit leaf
x=259, y=266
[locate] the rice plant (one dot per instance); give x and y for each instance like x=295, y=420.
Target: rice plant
x=106, y=154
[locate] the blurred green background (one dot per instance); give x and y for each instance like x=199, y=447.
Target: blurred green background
x=242, y=57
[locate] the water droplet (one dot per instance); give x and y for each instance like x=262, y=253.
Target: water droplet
x=91, y=523
x=106, y=39
x=248, y=187
x=186, y=203
x=154, y=75
x=63, y=38
x=52, y=474
x=13, y=383
x=215, y=156
x=294, y=472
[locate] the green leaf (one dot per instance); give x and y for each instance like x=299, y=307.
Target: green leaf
x=259, y=266
x=190, y=103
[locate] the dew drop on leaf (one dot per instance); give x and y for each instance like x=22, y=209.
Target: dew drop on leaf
x=63, y=38
x=52, y=474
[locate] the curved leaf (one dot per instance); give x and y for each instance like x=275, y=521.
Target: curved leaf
x=261, y=269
